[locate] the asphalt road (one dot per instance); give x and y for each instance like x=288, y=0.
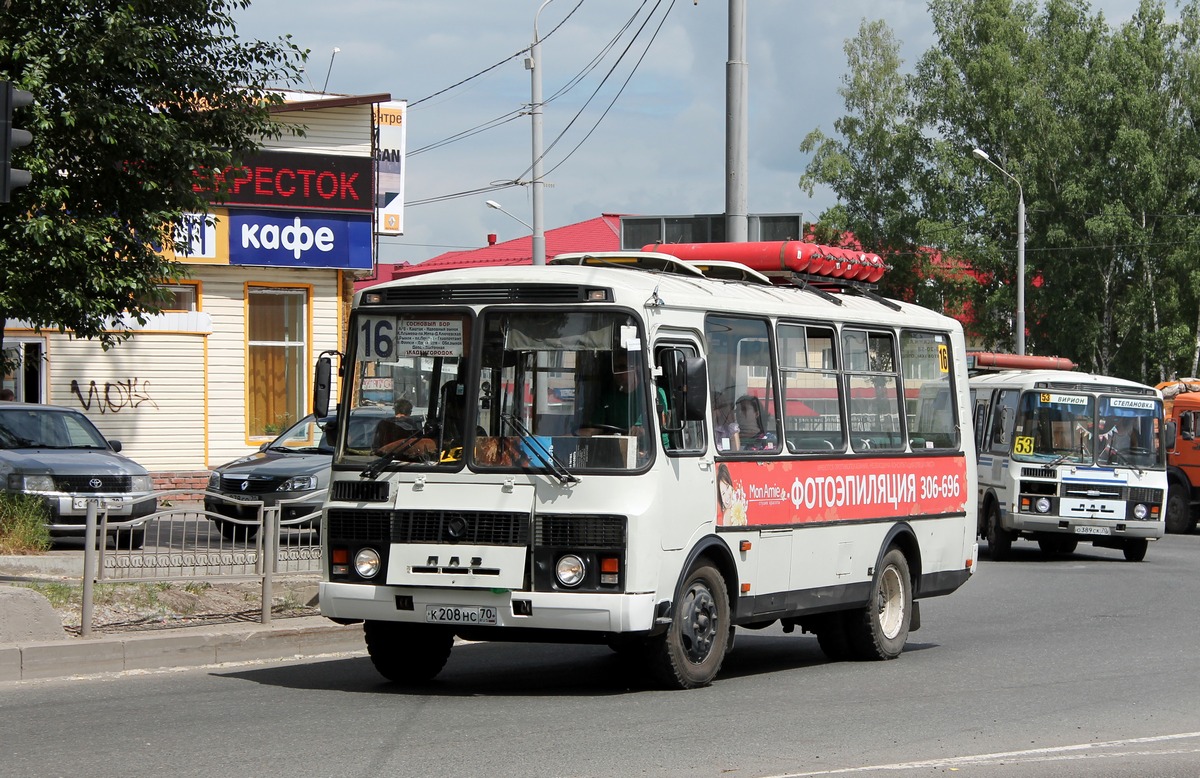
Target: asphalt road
x=1084, y=666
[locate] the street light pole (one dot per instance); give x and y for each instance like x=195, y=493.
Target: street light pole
x=496, y=205
x=1020, y=323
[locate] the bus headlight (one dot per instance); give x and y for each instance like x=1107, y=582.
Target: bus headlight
x=569, y=570
x=367, y=563
x=1140, y=511
x=1042, y=505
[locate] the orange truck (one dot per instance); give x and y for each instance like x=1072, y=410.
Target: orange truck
x=1181, y=406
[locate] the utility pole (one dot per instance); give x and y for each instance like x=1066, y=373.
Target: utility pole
x=534, y=63
x=737, y=124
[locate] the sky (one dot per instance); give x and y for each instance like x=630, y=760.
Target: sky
x=649, y=140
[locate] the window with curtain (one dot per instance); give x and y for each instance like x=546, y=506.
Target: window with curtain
x=276, y=360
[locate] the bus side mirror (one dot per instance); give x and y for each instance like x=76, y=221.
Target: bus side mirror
x=321, y=385
x=694, y=401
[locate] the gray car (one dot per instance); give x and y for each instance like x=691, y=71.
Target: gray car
x=59, y=455
x=293, y=466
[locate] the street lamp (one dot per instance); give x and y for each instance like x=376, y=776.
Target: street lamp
x=496, y=205
x=1020, y=324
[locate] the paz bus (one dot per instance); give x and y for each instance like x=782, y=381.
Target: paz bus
x=1066, y=456
x=570, y=470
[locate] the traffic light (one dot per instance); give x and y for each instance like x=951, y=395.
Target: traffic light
x=12, y=138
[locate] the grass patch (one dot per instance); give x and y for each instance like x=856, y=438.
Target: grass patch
x=23, y=524
x=60, y=595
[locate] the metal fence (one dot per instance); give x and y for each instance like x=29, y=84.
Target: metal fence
x=189, y=543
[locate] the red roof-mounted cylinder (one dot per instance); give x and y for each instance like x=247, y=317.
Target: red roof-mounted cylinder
x=775, y=256
x=993, y=360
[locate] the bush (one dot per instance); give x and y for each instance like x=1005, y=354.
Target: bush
x=23, y=520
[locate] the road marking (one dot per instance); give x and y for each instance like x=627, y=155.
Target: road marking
x=1053, y=754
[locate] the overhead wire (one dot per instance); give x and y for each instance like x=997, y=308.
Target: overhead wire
x=572, y=83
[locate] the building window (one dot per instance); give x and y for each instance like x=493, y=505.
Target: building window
x=180, y=297
x=276, y=359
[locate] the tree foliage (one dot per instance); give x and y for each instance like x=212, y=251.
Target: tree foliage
x=1098, y=124
x=134, y=101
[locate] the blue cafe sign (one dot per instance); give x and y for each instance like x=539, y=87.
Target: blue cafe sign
x=300, y=239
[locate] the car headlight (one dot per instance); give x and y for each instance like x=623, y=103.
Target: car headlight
x=570, y=570
x=20, y=482
x=367, y=563
x=141, y=483
x=214, y=480
x=1140, y=511
x=1042, y=505
x=300, y=483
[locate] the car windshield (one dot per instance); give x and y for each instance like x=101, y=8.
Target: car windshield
x=39, y=428
x=303, y=437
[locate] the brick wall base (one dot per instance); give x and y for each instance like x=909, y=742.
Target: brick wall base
x=195, y=479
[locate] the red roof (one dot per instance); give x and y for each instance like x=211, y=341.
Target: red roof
x=600, y=234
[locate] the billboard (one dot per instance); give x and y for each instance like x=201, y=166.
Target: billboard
x=389, y=167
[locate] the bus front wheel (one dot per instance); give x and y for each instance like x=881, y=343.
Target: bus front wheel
x=690, y=653
x=999, y=539
x=1135, y=550
x=880, y=630
x=407, y=653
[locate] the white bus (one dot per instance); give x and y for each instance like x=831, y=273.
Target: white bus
x=1066, y=456
x=561, y=476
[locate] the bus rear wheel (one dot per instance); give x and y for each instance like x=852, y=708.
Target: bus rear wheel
x=690, y=654
x=407, y=653
x=832, y=636
x=880, y=630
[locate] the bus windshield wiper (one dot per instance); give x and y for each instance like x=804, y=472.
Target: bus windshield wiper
x=400, y=447
x=1116, y=457
x=560, y=470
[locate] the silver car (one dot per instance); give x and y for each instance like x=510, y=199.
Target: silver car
x=59, y=455
x=293, y=466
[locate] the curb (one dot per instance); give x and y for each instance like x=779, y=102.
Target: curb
x=181, y=647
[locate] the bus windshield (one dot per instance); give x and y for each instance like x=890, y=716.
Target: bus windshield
x=564, y=385
x=1072, y=428
x=567, y=389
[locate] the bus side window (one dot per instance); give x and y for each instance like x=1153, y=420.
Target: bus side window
x=1004, y=416
x=981, y=410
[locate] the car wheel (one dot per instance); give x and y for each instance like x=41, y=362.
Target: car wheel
x=408, y=653
x=241, y=533
x=131, y=539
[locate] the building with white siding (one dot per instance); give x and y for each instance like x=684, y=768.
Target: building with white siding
x=269, y=286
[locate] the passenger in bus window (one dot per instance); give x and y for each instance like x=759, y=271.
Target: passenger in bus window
x=754, y=434
x=726, y=431
x=621, y=407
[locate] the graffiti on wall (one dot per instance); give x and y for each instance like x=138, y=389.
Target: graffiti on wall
x=114, y=396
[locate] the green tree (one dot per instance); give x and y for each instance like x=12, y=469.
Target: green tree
x=1097, y=125
x=135, y=100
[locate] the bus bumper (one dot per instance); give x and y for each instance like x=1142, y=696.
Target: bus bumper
x=517, y=610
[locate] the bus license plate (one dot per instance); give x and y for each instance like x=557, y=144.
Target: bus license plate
x=455, y=614
x=1084, y=530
